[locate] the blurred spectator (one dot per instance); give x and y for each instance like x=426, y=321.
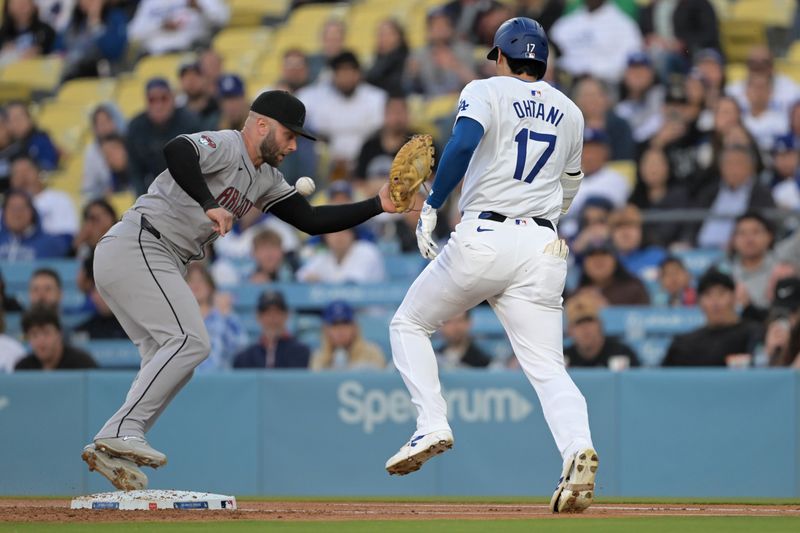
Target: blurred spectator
x=603, y=272
x=786, y=173
x=463, y=15
x=11, y=350
x=7, y=301
x=276, y=348
x=386, y=142
x=709, y=67
x=641, y=99
x=545, y=12
x=238, y=243
x=294, y=70
x=676, y=283
x=596, y=39
x=344, y=259
x=55, y=208
x=343, y=347
x=655, y=190
x=102, y=324
x=736, y=192
x=778, y=336
x=162, y=26
x=785, y=92
x=97, y=218
x=673, y=29
x=197, y=96
x=391, y=53
x=45, y=290
x=9, y=149
x=211, y=67
x=49, y=351
x=636, y=255
x=591, y=96
x=593, y=224
x=444, y=65
x=760, y=120
x=678, y=135
x=752, y=262
x=22, y=34
x=794, y=122
x=726, y=122
x=32, y=140
x=21, y=235
x=590, y=346
x=150, y=130
x=459, y=349
x=94, y=41
x=724, y=339
x=56, y=13
x=97, y=176
x=268, y=257
x=782, y=336
x=599, y=179
x=233, y=103
x=332, y=36
x=346, y=112
x=488, y=21
x=226, y=332
x=115, y=155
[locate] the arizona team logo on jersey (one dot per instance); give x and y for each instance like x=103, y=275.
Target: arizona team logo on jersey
x=207, y=141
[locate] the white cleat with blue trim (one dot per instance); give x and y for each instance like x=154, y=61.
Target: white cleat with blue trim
x=419, y=449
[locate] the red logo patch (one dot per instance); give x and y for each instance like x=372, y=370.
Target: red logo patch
x=206, y=140
x=153, y=506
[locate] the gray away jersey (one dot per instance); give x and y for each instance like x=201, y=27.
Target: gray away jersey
x=233, y=181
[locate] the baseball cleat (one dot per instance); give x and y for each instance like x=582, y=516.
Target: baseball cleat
x=133, y=448
x=575, y=489
x=419, y=449
x=122, y=473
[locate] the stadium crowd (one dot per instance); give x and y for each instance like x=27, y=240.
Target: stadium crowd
x=680, y=162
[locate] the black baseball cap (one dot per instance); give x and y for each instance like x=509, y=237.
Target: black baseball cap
x=283, y=107
x=270, y=299
x=787, y=294
x=715, y=278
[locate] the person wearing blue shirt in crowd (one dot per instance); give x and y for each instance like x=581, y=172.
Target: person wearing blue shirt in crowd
x=32, y=140
x=96, y=37
x=276, y=348
x=21, y=235
x=627, y=236
x=786, y=172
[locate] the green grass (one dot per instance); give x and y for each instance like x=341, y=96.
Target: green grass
x=567, y=525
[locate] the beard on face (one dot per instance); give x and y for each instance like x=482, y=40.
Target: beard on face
x=270, y=152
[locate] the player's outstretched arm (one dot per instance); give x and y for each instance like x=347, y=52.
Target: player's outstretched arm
x=316, y=220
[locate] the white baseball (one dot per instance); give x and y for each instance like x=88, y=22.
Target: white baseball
x=305, y=186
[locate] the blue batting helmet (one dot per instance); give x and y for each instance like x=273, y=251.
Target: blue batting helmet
x=520, y=38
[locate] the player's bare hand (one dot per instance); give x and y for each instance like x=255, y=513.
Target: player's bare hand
x=386, y=201
x=222, y=219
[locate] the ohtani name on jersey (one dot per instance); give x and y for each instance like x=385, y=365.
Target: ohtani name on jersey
x=533, y=109
x=234, y=201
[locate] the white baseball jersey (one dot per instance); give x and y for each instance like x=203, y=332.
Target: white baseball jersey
x=532, y=134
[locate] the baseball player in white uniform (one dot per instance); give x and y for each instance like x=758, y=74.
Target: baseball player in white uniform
x=517, y=142
x=212, y=179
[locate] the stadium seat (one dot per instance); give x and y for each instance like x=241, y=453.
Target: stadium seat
x=777, y=13
x=735, y=72
x=87, y=92
x=16, y=274
x=651, y=350
x=404, y=267
x=130, y=97
x=640, y=322
x=241, y=62
x=739, y=36
x=790, y=69
x=251, y=13
x=305, y=297
x=626, y=169
x=165, y=66
x=698, y=260
x=439, y=107
x=41, y=73
x=242, y=39
x=65, y=122
x=122, y=201
x=112, y=353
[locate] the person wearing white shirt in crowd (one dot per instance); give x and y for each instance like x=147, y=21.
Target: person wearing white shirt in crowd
x=596, y=39
x=97, y=179
x=599, y=180
x=11, y=350
x=344, y=260
x=56, y=13
x=162, y=26
x=56, y=210
x=346, y=112
x=763, y=122
x=785, y=92
x=786, y=173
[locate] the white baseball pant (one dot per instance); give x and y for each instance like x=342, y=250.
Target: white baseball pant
x=504, y=264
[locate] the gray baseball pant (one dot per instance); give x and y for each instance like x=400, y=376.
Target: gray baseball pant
x=142, y=281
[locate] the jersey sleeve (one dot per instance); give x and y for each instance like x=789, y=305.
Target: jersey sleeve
x=278, y=190
x=574, y=157
x=475, y=102
x=214, y=149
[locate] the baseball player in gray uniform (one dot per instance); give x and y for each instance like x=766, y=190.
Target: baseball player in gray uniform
x=212, y=179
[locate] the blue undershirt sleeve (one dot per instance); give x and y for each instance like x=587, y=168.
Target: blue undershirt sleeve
x=467, y=133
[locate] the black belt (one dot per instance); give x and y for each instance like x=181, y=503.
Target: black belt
x=146, y=225
x=496, y=217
